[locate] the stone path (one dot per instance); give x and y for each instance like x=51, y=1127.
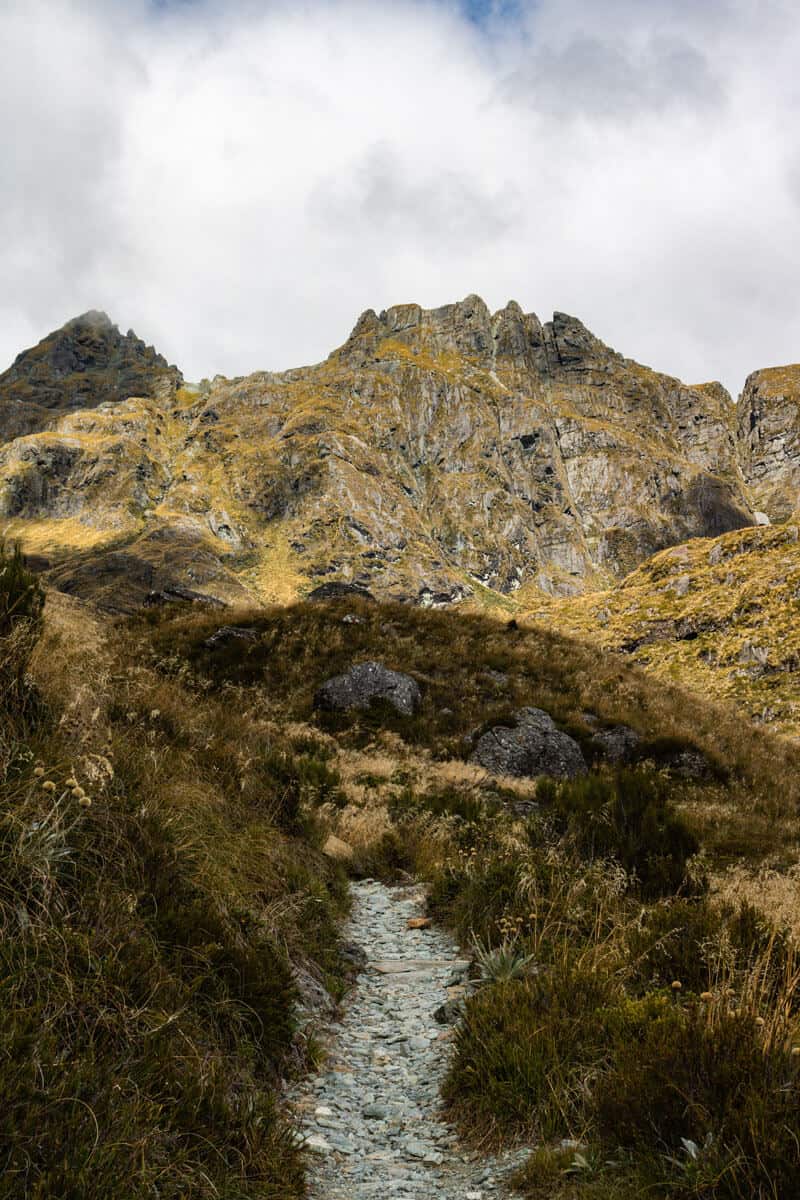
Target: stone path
x=372, y=1117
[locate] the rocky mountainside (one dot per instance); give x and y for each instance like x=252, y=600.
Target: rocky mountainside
x=769, y=439
x=436, y=455
x=85, y=363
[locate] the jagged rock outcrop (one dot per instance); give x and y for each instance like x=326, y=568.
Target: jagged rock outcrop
x=85, y=363
x=435, y=455
x=769, y=440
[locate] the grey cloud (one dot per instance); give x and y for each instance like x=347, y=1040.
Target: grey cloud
x=438, y=209
x=595, y=78
x=238, y=179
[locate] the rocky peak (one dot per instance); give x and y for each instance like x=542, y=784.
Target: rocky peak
x=469, y=329
x=573, y=344
x=85, y=363
x=437, y=452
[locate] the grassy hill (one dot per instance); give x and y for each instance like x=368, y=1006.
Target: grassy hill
x=170, y=920
x=717, y=617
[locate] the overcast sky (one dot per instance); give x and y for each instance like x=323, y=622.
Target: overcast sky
x=238, y=180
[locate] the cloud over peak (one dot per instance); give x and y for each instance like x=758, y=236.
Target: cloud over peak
x=239, y=180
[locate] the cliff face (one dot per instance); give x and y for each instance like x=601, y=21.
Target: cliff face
x=769, y=439
x=435, y=455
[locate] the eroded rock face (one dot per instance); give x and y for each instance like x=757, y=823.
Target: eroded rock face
x=338, y=591
x=533, y=746
x=769, y=440
x=363, y=684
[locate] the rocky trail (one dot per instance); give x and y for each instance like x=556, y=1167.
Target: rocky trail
x=372, y=1117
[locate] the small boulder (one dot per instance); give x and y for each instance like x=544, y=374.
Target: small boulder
x=181, y=595
x=228, y=634
x=336, y=590
x=366, y=682
x=449, y=1013
x=336, y=849
x=692, y=765
x=617, y=745
x=533, y=746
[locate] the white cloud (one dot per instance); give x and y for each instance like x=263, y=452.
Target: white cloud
x=238, y=180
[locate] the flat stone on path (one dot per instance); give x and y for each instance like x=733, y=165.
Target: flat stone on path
x=405, y=966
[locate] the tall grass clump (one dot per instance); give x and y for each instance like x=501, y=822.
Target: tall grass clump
x=21, y=607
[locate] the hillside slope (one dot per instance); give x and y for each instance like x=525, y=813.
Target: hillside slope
x=720, y=617
x=170, y=940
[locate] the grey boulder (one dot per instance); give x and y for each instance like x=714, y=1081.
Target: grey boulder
x=533, y=746
x=366, y=682
x=228, y=634
x=617, y=745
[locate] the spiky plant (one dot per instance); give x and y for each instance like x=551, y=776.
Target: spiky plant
x=500, y=964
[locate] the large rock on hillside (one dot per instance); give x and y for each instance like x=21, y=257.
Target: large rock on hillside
x=533, y=746
x=769, y=439
x=85, y=363
x=363, y=684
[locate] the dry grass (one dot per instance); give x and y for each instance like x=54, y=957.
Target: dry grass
x=163, y=897
x=776, y=892
x=214, y=785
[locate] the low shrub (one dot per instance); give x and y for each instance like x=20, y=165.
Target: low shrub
x=21, y=606
x=523, y=1052
x=626, y=817
x=705, y=1086
x=21, y=593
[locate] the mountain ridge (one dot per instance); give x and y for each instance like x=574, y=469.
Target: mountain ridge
x=438, y=455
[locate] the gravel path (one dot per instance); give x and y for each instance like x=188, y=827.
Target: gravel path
x=372, y=1117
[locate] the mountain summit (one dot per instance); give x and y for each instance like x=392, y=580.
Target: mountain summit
x=438, y=454
x=85, y=363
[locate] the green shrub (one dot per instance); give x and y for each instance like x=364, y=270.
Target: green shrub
x=626, y=817
x=680, y=939
x=523, y=1051
x=704, y=1075
x=705, y=944
x=21, y=606
x=444, y=802
x=476, y=901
